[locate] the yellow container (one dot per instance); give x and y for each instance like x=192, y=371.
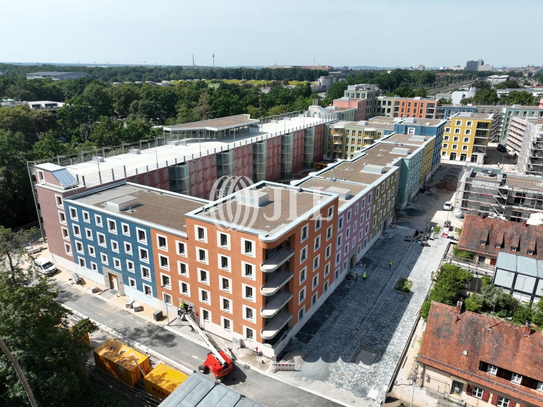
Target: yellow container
x=120, y=361
x=163, y=380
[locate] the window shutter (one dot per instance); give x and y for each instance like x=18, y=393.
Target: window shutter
x=486, y=395
x=494, y=399
x=469, y=390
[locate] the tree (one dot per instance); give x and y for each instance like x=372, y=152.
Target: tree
x=519, y=98
x=486, y=96
x=507, y=85
x=106, y=133
x=48, y=146
x=34, y=326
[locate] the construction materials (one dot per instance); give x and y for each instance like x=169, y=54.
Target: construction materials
x=122, y=362
x=163, y=380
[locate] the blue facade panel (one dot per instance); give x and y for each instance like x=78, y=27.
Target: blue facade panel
x=120, y=249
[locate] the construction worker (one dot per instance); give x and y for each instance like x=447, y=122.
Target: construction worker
x=390, y=264
x=364, y=275
x=181, y=304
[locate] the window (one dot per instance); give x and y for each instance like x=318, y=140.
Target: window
x=162, y=242
x=142, y=236
x=77, y=230
x=65, y=234
x=184, y=288
x=457, y=387
x=248, y=247
x=301, y=313
x=513, y=248
x=181, y=249
x=144, y=255
x=318, y=223
x=339, y=240
x=301, y=296
x=226, y=324
x=304, y=233
x=466, y=139
x=73, y=213
x=201, y=255
x=226, y=305
x=464, y=148
x=539, y=386
x=204, y=296
x=477, y=392
x=248, y=292
x=455, y=146
x=145, y=273
x=224, y=262
x=115, y=246
x=315, y=282
x=446, y=138
x=82, y=262
x=330, y=212
x=112, y=226
x=326, y=269
x=165, y=281
x=206, y=315
x=126, y=229
x=130, y=266
x=328, y=252
x=147, y=290
x=303, y=255
x=104, y=259
x=128, y=248
x=249, y=313
x=249, y=334
x=458, y=123
x=316, y=262
x=92, y=252
x=203, y=276
x=225, y=284
x=248, y=270
x=86, y=217
x=516, y=378
x=164, y=262
x=88, y=234
x=314, y=299
x=224, y=240
x=98, y=220
x=455, y=138
x=325, y=286
x=167, y=298
x=317, y=243
x=182, y=269
x=116, y=263
x=502, y=402
x=469, y=124
x=41, y=177
x=68, y=249
x=329, y=233
x=492, y=369
x=456, y=131
x=79, y=248
x=201, y=233
x=303, y=275
x=340, y=224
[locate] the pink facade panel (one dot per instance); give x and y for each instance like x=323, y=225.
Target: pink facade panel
x=243, y=161
x=360, y=104
x=158, y=178
x=273, y=163
x=319, y=142
x=298, y=151
x=203, y=174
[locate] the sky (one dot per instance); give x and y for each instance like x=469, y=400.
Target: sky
x=385, y=33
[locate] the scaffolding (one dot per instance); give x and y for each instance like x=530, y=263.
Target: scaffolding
x=491, y=192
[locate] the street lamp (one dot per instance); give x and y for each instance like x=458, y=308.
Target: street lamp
x=167, y=312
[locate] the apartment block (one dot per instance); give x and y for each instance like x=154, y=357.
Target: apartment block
x=416, y=107
x=525, y=138
x=349, y=103
x=521, y=112
x=446, y=111
x=466, y=137
x=365, y=91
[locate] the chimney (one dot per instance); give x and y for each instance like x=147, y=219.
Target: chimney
x=527, y=330
x=457, y=310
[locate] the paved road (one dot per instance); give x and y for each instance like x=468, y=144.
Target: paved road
x=251, y=383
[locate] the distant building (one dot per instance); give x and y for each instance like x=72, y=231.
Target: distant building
x=421, y=68
x=348, y=103
x=458, y=95
x=478, y=65
x=10, y=103
x=472, y=359
x=466, y=137
x=45, y=105
x=365, y=91
x=417, y=107
x=497, y=79
x=446, y=111
x=536, y=92
x=521, y=276
x=525, y=138
x=521, y=112
x=57, y=76
x=472, y=65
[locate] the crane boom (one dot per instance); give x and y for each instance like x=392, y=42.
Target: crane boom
x=207, y=341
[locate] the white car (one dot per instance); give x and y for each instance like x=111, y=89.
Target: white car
x=44, y=266
x=448, y=206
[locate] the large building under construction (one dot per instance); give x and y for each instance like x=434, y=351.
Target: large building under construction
x=492, y=192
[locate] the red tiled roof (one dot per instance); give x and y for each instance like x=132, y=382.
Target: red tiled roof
x=502, y=232
x=485, y=339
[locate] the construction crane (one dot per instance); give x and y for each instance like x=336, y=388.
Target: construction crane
x=217, y=362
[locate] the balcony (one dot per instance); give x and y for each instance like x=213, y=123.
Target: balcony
x=276, y=324
x=273, y=262
x=276, y=303
x=276, y=282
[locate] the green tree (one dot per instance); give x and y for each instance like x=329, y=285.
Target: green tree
x=520, y=98
x=48, y=146
x=106, y=133
x=34, y=326
x=486, y=96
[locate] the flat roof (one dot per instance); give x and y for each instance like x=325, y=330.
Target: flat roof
x=472, y=115
x=183, y=151
x=409, y=139
x=524, y=181
x=265, y=209
x=222, y=123
x=156, y=206
x=363, y=125
x=332, y=185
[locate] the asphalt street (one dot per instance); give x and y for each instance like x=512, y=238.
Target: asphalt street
x=259, y=387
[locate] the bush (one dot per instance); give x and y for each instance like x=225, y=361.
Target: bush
x=437, y=229
x=463, y=254
x=485, y=280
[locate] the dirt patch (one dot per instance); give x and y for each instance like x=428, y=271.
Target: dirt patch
x=447, y=185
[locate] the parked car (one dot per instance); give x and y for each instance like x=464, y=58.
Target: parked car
x=448, y=206
x=501, y=148
x=44, y=266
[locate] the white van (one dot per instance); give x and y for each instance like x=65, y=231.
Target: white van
x=44, y=266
